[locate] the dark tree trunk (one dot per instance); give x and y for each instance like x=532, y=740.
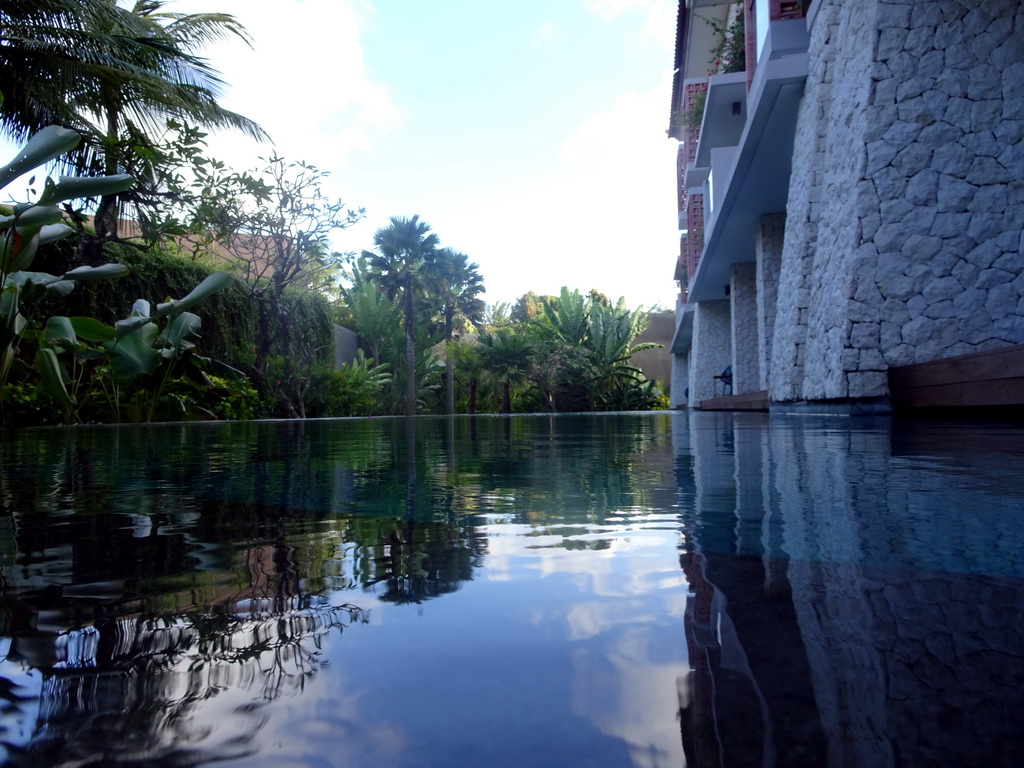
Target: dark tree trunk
x=410, y=352
x=449, y=366
x=107, y=214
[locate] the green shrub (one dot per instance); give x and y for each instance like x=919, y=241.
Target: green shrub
x=24, y=405
x=355, y=389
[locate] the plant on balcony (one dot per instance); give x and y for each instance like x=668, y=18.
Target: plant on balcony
x=730, y=53
x=693, y=117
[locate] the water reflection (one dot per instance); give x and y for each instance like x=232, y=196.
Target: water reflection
x=644, y=590
x=142, y=688
x=854, y=592
x=164, y=586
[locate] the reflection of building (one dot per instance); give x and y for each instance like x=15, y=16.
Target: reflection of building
x=850, y=196
x=154, y=685
x=854, y=600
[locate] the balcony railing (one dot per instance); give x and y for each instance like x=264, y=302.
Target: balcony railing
x=762, y=11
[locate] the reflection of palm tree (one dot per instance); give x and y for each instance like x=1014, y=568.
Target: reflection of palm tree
x=415, y=561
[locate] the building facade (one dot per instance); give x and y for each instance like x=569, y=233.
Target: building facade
x=851, y=195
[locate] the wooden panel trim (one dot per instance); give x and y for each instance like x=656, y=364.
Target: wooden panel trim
x=993, y=377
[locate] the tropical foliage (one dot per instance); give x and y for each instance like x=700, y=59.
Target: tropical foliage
x=410, y=270
x=130, y=80
x=274, y=226
x=399, y=266
x=114, y=74
x=29, y=226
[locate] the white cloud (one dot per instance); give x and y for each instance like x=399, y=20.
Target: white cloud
x=304, y=80
x=609, y=10
x=603, y=218
x=547, y=32
x=660, y=15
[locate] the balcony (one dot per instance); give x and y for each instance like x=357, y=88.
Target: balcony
x=743, y=158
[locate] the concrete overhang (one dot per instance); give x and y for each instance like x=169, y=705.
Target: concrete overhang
x=725, y=115
x=683, y=338
x=758, y=183
x=695, y=179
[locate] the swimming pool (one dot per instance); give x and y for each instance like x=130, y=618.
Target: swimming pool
x=652, y=589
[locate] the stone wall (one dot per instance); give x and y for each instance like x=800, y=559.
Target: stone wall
x=745, y=370
x=947, y=168
x=713, y=353
x=768, y=241
x=903, y=239
x=803, y=212
x=679, y=390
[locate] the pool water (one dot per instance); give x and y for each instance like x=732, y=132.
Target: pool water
x=656, y=589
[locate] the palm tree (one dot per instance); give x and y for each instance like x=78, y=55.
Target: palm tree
x=114, y=74
x=455, y=285
x=404, y=248
x=466, y=357
x=377, y=318
x=506, y=353
x=48, y=50
x=185, y=87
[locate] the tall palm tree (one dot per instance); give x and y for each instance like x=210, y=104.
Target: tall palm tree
x=455, y=285
x=404, y=249
x=185, y=87
x=114, y=74
x=48, y=50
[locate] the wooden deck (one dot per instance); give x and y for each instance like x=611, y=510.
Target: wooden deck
x=984, y=379
x=750, y=401
x=992, y=380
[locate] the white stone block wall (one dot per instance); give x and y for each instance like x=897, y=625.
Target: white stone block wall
x=946, y=164
x=904, y=230
x=768, y=240
x=803, y=212
x=809, y=357
x=680, y=380
x=712, y=349
x=744, y=328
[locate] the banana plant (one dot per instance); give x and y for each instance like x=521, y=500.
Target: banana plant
x=142, y=353
x=31, y=225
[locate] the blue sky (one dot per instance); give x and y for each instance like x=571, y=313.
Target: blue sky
x=529, y=135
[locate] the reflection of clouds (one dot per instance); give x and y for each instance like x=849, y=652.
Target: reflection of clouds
x=631, y=562
x=197, y=683
x=333, y=725
x=596, y=617
x=627, y=694
x=631, y=592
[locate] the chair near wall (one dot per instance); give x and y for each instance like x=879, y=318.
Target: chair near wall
x=726, y=378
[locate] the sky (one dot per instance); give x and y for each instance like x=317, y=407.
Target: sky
x=528, y=135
